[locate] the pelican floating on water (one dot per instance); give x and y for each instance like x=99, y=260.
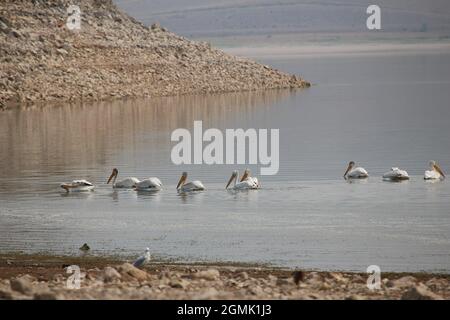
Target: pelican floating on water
x=247, y=184
x=434, y=173
x=246, y=176
x=150, y=184
x=126, y=183
x=396, y=174
x=190, y=186
x=355, y=173
x=77, y=185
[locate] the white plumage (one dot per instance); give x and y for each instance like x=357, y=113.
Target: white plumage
x=246, y=183
x=246, y=176
x=195, y=185
x=355, y=173
x=77, y=186
x=434, y=173
x=396, y=174
x=189, y=186
x=126, y=183
x=150, y=184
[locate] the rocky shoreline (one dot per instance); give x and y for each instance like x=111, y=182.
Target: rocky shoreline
x=111, y=56
x=45, y=277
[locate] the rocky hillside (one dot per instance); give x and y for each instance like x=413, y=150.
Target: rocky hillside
x=111, y=55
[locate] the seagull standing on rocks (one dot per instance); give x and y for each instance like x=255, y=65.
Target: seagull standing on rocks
x=142, y=260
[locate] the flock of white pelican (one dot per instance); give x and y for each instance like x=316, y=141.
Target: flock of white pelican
x=246, y=182
x=395, y=174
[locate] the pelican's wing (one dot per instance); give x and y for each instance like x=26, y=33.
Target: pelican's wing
x=156, y=182
x=390, y=174
x=255, y=182
x=246, y=185
x=252, y=181
x=358, y=173
x=78, y=185
x=129, y=182
x=198, y=185
x=150, y=183
x=193, y=186
x=396, y=173
x=431, y=174
x=81, y=182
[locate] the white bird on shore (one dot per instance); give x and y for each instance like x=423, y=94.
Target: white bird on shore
x=355, y=173
x=190, y=186
x=247, y=184
x=434, y=173
x=396, y=174
x=150, y=184
x=126, y=183
x=77, y=186
x=142, y=260
x=246, y=177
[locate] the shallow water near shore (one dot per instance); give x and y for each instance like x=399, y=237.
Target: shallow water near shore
x=380, y=111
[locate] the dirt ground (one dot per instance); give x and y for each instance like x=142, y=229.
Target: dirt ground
x=45, y=277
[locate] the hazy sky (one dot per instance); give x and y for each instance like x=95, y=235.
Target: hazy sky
x=234, y=17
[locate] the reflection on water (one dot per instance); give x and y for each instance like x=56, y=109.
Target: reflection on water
x=368, y=109
x=82, y=139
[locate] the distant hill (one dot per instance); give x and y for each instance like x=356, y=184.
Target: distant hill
x=111, y=56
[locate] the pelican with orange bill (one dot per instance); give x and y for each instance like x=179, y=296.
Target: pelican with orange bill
x=127, y=183
x=353, y=172
x=435, y=172
x=246, y=177
x=184, y=186
x=248, y=183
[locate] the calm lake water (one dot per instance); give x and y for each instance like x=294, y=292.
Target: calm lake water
x=378, y=110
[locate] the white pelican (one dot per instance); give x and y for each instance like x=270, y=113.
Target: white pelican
x=190, y=186
x=434, y=173
x=128, y=182
x=247, y=184
x=150, y=184
x=142, y=260
x=246, y=176
x=396, y=174
x=77, y=185
x=355, y=173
